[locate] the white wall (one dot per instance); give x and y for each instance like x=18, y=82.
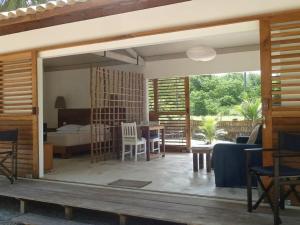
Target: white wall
x=74, y=85
x=232, y=62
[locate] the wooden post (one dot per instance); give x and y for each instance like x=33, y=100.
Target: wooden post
x=208, y=162
x=155, y=96
x=23, y=206
x=123, y=220
x=35, y=130
x=195, y=162
x=201, y=164
x=187, y=113
x=68, y=212
x=266, y=86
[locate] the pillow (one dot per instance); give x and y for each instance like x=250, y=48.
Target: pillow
x=253, y=135
x=86, y=128
x=100, y=128
x=70, y=127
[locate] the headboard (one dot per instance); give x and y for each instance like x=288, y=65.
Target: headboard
x=74, y=116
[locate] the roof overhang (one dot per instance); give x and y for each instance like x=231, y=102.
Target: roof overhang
x=77, y=12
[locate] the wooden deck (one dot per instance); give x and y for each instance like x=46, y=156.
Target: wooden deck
x=136, y=203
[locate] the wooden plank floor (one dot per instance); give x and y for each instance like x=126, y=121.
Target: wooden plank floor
x=165, y=207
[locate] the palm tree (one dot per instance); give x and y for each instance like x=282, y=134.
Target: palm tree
x=8, y=5
x=250, y=110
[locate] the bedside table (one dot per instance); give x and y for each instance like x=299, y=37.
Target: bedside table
x=48, y=157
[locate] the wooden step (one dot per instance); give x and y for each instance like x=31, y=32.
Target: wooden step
x=34, y=219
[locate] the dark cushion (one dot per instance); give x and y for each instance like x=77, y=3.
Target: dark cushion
x=153, y=136
x=269, y=171
x=289, y=141
x=242, y=139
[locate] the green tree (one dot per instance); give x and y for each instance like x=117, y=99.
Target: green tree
x=8, y=5
x=220, y=94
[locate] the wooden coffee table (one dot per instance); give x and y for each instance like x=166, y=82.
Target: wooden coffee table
x=198, y=162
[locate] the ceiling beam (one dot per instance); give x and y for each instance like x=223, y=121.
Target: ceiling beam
x=138, y=60
x=134, y=54
x=81, y=66
x=78, y=12
x=220, y=51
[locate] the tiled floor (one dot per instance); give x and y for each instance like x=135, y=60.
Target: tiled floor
x=173, y=173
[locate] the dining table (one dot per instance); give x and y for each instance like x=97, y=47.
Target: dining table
x=146, y=130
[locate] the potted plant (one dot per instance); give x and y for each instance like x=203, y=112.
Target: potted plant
x=209, y=129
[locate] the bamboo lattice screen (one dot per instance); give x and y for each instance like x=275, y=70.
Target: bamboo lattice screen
x=116, y=96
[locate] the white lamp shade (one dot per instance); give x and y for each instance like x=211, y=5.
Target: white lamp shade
x=201, y=53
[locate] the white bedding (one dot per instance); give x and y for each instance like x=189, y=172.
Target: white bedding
x=71, y=138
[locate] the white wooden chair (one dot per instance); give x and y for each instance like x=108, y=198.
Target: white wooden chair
x=154, y=140
x=130, y=138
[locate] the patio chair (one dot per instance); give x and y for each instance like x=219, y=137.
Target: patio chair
x=228, y=159
x=9, y=145
x=281, y=175
x=130, y=138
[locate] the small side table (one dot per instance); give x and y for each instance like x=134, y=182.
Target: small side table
x=198, y=163
x=48, y=157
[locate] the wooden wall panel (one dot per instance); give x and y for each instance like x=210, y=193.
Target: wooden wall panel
x=25, y=156
x=280, y=65
x=169, y=103
x=18, y=107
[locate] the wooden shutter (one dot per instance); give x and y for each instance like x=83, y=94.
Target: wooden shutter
x=169, y=100
x=280, y=63
x=18, y=107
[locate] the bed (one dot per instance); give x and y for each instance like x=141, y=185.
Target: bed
x=74, y=133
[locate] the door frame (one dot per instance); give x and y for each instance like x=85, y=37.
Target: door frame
x=40, y=92
x=113, y=44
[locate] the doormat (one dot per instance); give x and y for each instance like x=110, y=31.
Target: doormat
x=130, y=183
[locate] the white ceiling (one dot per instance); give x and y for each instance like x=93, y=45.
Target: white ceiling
x=240, y=35
x=216, y=41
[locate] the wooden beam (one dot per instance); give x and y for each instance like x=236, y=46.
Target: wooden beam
x=78, y=12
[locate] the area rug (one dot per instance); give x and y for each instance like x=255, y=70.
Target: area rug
x=130, y=183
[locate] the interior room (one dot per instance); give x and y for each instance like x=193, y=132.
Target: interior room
x=87, y=96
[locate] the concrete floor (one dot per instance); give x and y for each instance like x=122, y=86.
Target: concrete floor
x=173, y=173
